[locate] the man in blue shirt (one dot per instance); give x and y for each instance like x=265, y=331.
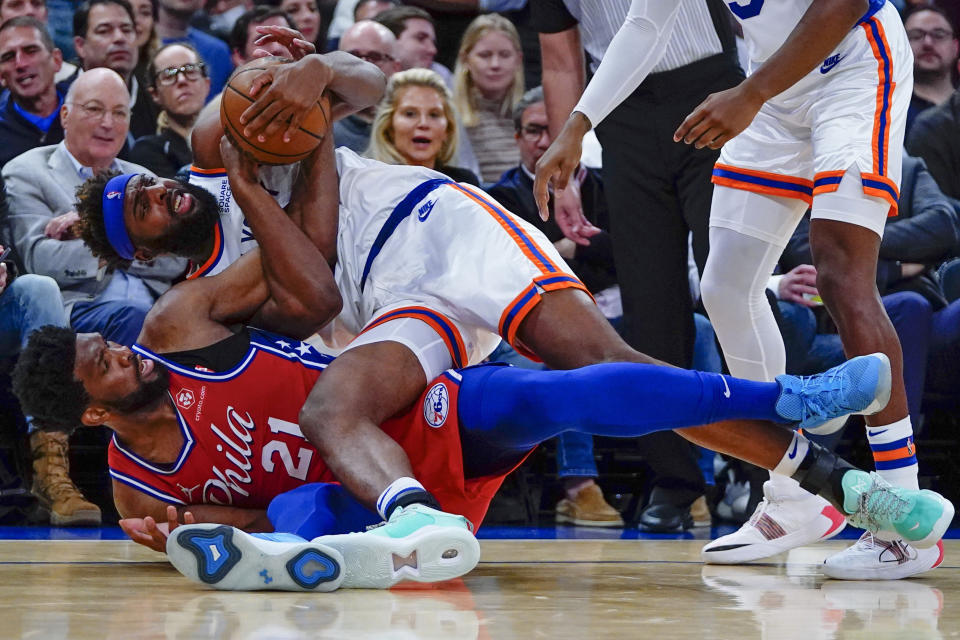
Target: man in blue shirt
x=30, y=107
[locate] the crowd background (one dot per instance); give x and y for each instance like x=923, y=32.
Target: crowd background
x=118, y=84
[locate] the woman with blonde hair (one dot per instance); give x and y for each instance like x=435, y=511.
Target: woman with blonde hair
x=416, y=124
x=487, y=85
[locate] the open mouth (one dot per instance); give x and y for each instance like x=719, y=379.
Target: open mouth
x=422, y=142
x=182, y=203
x=26, y=80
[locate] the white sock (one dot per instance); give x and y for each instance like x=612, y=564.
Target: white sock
x=396, y=489
x=894, y=453
x=793, y=456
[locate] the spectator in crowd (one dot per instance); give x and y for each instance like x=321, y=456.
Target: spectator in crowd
x=415, y=124
x=416, y=39
x=218, y=16
x=40, y=185
x=147, y=42
x=935, y=50
x=583, y=503
x=27, y=303
x=306, y=15
x=173, y=25
x=179, y=84
x=935, y=137
x=60, y=24
x=244, y=34
x=370, y=9
x=488, y=83
x=30, y=108
x=374, y=43
x=105, y=36
x=35, y=9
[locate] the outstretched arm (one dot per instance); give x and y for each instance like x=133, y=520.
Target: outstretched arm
x=315, y=202
x=724, y=115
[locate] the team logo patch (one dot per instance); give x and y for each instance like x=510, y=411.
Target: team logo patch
x=436, y=405
x=185, y=398
x=113, y=195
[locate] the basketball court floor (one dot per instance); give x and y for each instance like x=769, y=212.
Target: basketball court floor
x=546, y=583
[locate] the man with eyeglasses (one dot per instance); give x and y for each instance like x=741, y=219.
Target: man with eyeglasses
x=40, y=192
x=179, y=84
x=376, y=44
x=935, y=49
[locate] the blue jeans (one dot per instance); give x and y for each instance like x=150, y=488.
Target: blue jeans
x=30, y=302
x=119, y=321
x=574, y=450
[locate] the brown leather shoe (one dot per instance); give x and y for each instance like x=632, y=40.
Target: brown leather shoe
x=52, y=484
x=588, y=509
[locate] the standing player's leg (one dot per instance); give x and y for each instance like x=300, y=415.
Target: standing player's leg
x=750, y=231
x=845, y=237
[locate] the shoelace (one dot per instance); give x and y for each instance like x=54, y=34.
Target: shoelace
x=822, y=402
x=879, y=501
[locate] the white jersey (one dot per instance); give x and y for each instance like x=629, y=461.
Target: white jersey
x=767, y=23
x=232, y=234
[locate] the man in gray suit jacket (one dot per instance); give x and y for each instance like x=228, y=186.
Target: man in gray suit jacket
x=40, y=192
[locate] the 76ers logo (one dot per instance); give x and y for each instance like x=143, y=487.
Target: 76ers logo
x=185, y=398
x=436, y=405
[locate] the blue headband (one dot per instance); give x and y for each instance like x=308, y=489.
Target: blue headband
x=113, y=196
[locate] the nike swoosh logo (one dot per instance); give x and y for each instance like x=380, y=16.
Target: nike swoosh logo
x=830, y=63
x=914, y=527
x=726, y=389
x=871, y=432
x=793, y=454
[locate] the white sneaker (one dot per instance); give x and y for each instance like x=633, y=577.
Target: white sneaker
x=780, y=523
x=873, y=559
x=417, y=543
x=228, y=558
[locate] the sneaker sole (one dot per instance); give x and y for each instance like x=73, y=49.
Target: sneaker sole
x=884, y=385
x=229, y=559
x=883, y=572
x=432, y=554
x=730, y=554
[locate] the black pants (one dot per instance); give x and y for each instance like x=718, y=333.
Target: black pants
x=658, y=191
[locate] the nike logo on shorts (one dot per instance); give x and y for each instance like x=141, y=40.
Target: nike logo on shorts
x=830, y=63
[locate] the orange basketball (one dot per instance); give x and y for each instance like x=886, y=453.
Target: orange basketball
x=235, y=100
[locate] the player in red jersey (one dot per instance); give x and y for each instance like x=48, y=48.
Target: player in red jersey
x=205, y=415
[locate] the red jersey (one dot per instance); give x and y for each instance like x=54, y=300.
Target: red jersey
x=243, y=446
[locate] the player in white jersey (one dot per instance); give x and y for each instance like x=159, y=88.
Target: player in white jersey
x=818, y=122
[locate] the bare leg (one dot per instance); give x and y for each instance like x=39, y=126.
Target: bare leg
x=341, y=417
x=567, y=331
x=846, y=259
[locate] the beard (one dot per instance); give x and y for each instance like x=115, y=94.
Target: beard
x=189, y=235
x=149, y=395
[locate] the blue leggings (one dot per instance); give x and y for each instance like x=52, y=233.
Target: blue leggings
x=505, y=411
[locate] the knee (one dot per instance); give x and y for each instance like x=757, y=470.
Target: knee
x=720, y=295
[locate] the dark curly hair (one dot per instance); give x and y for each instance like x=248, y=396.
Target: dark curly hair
x=43, y=379
x=90, y=208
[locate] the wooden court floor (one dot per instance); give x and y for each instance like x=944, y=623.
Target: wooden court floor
x=525, y=589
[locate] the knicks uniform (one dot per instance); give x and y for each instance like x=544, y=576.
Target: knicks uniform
x=412, y=244
x=232, y=235
x=848, y=112
x=242, y=445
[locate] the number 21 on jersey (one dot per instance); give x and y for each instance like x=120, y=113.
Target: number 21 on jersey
x=304, y=455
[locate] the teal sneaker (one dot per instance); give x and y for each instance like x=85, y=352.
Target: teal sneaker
x=892, y=513
x=418, y=543
x=859, y=385
x=228, y=558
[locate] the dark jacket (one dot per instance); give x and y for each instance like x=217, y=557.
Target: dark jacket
x=593, y=264
x=458, y=174
x=164, y=154
x=19, y=134
x=935, y=137
x=926, y=230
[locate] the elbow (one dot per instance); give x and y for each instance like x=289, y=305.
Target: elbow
x=305, y=316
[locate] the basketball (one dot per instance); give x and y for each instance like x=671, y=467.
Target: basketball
x=235, y=100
